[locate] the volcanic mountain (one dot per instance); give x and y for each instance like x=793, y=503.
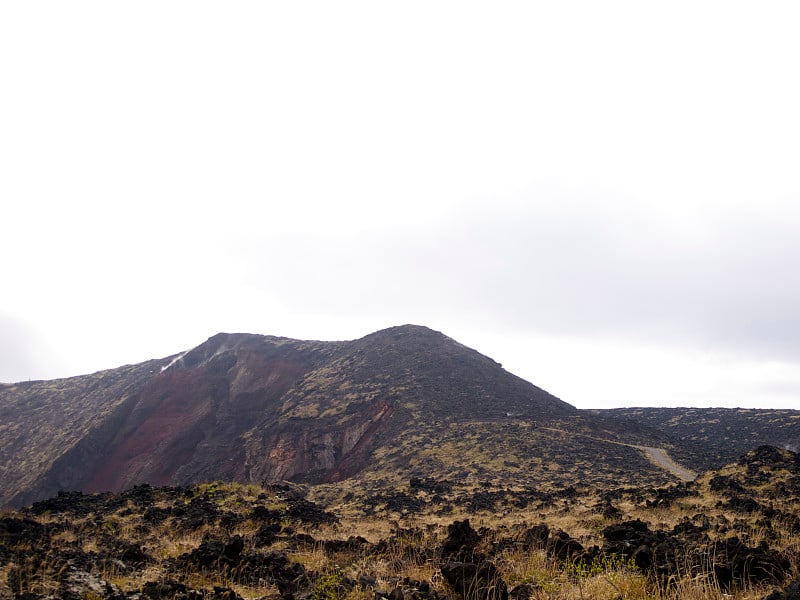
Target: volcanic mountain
x=405, y=403
x=250, y=408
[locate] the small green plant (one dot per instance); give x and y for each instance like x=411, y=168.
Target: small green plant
x=618, y=573
x=607, y=564
x=328, y=586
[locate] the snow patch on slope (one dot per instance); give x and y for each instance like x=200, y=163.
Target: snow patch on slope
x=173, y=361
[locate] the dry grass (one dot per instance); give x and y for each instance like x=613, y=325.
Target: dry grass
x=410, y=541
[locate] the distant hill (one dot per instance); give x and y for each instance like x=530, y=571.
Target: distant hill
x=707, y=438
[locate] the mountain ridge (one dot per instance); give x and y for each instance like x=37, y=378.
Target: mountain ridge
x=400, y=403
x=247, y=407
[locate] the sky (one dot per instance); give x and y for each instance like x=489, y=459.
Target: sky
x=602, y=196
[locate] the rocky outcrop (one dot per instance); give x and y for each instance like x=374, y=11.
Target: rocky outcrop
x=790, y=592
x=330, y=452
x=475, y=581
x=467, y=571
x=687, y=546
x=461, y=542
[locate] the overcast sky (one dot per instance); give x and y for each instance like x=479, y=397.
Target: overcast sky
x=603, y=196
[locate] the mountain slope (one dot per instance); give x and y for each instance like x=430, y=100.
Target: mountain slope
x=43, y=421
x=708, y=438
x=243, y=407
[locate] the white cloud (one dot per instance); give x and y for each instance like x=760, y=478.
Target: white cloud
x=614, y=173
x=22, y=350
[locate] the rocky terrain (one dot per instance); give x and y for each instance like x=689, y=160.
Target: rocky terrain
x=731, y=533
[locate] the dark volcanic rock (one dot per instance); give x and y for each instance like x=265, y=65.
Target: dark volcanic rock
x=460, y=542
x=351, y=544
x=430, y=484
x=266, y=535
x=132, y=554
x=523, y=591
x=725, y=483
x=742, y=504
x=664, y=497
x=310, y=513
x=72, y=503
x=173, y=590
x=687, y=549
x=633, y=539
x=79, y=585
x=229, y=558
x=535, y=537
x=790, y=592
x=14, y=530
x=768, y=456
x=394, y=500
x=734, y=562
x=164, y=590
x=475, y=582
x=563, y=547
x=213, y=555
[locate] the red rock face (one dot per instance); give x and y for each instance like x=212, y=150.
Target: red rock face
x=161, y=435
x=186, y=413
x=331, y=454
x=357, y=448
x=197, y=419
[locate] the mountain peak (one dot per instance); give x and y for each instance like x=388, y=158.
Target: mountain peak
x=408, y=328
x=252, y=408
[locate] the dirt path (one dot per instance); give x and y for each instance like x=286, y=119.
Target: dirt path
x=658, y=456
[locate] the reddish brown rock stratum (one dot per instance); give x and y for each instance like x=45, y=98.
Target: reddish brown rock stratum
x=248, y=408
